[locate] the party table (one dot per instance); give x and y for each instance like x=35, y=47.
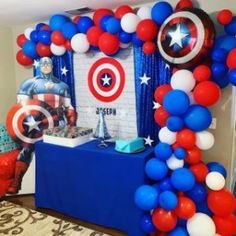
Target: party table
x=91, y=183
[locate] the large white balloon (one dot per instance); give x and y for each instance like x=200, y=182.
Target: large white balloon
x=28, y=31
x=167, y=136
x=183, y=80
x=57, y=50
x=79, y=43
x=144, y=13
x=215, y=181
x=201, y=225
x=174, y=163
x=129, y=22
x=205, y=140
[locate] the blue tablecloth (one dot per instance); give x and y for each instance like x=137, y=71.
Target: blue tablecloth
x=94, y=184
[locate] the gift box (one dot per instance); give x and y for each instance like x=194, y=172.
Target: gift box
x=130, y=146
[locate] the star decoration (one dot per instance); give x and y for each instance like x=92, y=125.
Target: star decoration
x=64, y=71
x=36, y=64
x=144, y=79
x=148, y=141
x=106, y=80
x=49, y=85
x=167, y=66
x=32, y=124
x=177, y=36
x=156, y=105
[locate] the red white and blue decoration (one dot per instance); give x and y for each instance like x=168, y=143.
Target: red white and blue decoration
x=106, y=79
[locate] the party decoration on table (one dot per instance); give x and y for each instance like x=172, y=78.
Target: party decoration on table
x=130, y=146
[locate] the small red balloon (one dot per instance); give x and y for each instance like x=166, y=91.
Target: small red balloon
x=43, y=50
x=99, y=13
x=161, y=91
x=175, y=146
x=224, y=17
x=202, y=73
x=45, y=27
x=93, y=35
x=57, y=38
x=186, y=208
x=161, y=116
x=186, y=138
x=147, y=30
x=184, y=4
x=21, y=39
x=67, y=45
x=122, y=10
x=109, y=43
x=149, y=47
x=76, y=19
x=225, y=226
x=231, y=59
x=23, y=59
x=194, y=155
x=200, y=171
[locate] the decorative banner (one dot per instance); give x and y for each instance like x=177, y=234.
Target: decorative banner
x=26, y=121
x=186, y=37
x=106, y=79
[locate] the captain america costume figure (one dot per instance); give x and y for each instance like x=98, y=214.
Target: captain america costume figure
x=54, y=92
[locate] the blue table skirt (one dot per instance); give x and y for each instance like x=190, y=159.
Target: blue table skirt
x=94, y=184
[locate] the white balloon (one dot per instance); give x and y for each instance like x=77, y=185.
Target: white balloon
x=129, y=22
x=79, y=43
x=174, y=163
x=144, y=13
x=28, y=31
x=201, y=225
x=183, y=80
x=215, y=181
x=167, y=136
x=57, y=50
x=205, y=140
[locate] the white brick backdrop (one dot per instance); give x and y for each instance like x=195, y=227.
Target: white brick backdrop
x=123, y=125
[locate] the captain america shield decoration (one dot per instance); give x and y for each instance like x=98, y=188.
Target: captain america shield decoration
x=27, y=120
x=106, y=79
x=186, y=37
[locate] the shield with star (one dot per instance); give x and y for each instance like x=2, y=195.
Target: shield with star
x=186, y=37
x=106, y=79
x=27, y=120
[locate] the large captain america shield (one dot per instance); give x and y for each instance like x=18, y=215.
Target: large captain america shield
x=186, y=37
x=27, y=120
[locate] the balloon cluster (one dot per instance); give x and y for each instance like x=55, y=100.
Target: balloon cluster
x=107, y=31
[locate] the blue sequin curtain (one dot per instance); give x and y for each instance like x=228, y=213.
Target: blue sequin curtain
x=159, y=72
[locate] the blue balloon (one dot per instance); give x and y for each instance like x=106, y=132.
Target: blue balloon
x=222, y=82
x=176, y=102
x=216, y=166
x=197, y=118
x=180, y=153
x=44, y=36
x=146, y=197
x=147, y=225
x=93, y=48
x=34, y=36
x=136, y=41
x=163, y=151
x=165, y=185
x=198, y=193
x=56, y=22
x=227, y=42
x=182, y=179
x=182, y=222
x=125, y=37
x=113, y=25
x=103, y=22
x=175, y=123
x=29, y=49
x=231, y=27
x=160, y=11
x=84, y=24
x=156, y=169
x=203, y=208
x=69, y=29
x=219, y=70
x=178, y=231
x=219, y=55
x=39, y=25
x=232, y=77
x=168, y=200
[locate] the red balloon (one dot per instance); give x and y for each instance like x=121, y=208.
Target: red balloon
x=163, y=220
x=93, y=35
x=43, y=50
x=147, y=30
x=161, y=91
x=161, y=116
x=186, y=208
x=57, y=38
x=207, y=93
x=175, y=146
x=149, y=47
x=224, y=17
x=4, y=185
x=109, y=43
x=202, y=73
x=23, y=59
x=122, y=10
x=200, y=171
x=76, y=19
x=45, y=27
x=184, y=4
x=221, y=203
x=186, y=138
x=67, y=45
x=194, y=155
x=231, y=59
x=99, y=13
x=21, y=39
x=225, y=226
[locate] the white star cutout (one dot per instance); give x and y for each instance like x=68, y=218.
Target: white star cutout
x=36, y=64
x=144, y=79
x=156, y=105
x=177, y=36
x=106, y=80
x=32, y=124
x=64, y=71
x=167, y=66
x=148, y=141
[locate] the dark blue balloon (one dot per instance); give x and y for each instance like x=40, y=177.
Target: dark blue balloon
x=93, y=48
x=176, y=102
x=175, y=123
x=219, y=55
x=232, y=77
x=163, y=151
x=147, y=225
x=113, y=25
x=125, y=37
x=198, y=193
x=222, y=82
x=219, y=70
x=34, y=36
x=165, y=185
x=84, y=24
x=182, y=222
x=197, y=118
x=178, y=231
x=39, y=25
x=156, y=169
x=69, y=29
x=168, y=200
x=56, y=22
x=180, y=153
x=231, y=27
x=227, y=42
x=216, y=166
x=136, y=41
x=160, y=11
x=44, y=36
x=203, y=208
x=29, y=49
x=103, y=22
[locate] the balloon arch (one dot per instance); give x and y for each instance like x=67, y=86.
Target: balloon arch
x=187, y=196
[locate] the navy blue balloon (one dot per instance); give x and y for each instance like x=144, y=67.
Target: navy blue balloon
x=219, y=55
x=227, y=42
x=136, y=41
x=103, y=22
x=39, y=25
x=165, y=185
x=222, y=82
x=57, y=21
x=182, y=222
x=113, y=25
x=156, y=169
x=93, y=48
x=231, y=27
x=176, y=102
x=44, y=37
x=178, y=231
x=160, y=11
x=146, y=197
x=147, y=225
x=163, y=151
x=125, y=37
x=197, y=118
x=175, y=123
x=34, y=36
x=29, y=49
x=180, y=153
x=69, y=29
x=203, y=208
x=84, y=24
x=198, y=193
x=232, y=77
x=219, y=70
x=168, y=200
x=216, y=166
